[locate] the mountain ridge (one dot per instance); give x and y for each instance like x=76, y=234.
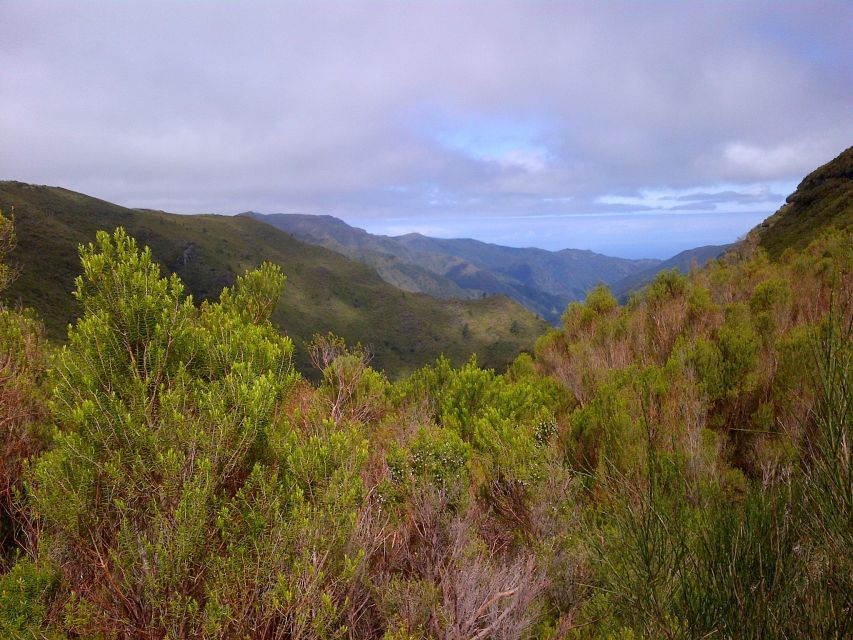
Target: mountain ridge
x=824, y=198
x=325, y=291
x=683, y=261
x=541, y=280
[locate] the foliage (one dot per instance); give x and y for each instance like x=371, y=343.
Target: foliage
x=23, y=363
x=678, y=467
x=326, y=291
x=822, y=200
x=7, y=243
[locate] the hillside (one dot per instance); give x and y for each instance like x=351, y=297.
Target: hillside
x=324, y=292
x=407, y=270
x=542, y=281
x=823, y=199
x=677, y=467
x=684, y=262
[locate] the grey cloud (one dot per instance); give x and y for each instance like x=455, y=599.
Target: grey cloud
x=732, y=196
x=694, y=206
x=341, y=107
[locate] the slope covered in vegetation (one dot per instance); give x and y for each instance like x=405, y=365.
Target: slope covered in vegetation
x=543, y=281
x=679, y=467
x=823, y=199
x=406, y=270
x=325, y=292
x=684, y=262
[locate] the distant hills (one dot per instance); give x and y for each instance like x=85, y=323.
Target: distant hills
x=824, y=198
x=325, y=291
x=684, y=262
x=373, y=288
x=546, y=281
x=542, y=281
x=406, y=269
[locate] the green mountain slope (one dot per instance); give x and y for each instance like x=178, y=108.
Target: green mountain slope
x=543, y=281
x=325, y=291
x=823, y=199
x=561, y=276
x=683, y=261
x=405, y=269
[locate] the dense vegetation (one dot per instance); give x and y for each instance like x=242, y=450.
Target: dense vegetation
x=684, y=262
x=326, y=291
x=823, y=199
x=678, y=467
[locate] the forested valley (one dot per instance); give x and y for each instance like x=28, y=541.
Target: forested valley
x=680, y=466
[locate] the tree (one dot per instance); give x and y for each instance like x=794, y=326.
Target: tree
x=162, y=416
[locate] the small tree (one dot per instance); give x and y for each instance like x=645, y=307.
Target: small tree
x=162, y=410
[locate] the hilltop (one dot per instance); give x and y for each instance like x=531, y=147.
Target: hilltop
x=325, y=291
x=823, y=199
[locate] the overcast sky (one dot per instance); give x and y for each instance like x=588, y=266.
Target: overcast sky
x=631, y=128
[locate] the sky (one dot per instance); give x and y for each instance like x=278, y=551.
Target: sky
x=636, y=129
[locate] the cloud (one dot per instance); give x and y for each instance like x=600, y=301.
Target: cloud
x=760, y=195
x=694, y=206
x=753, y=161
x=387, y=109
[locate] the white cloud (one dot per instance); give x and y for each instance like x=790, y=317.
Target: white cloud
x=767, y=162
x=347, y=108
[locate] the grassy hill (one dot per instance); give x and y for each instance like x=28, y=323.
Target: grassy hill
x=542, y=281
x=406, y=270
x=823, y=199
x=679, y=467
x=684, y=262
x=325, y=291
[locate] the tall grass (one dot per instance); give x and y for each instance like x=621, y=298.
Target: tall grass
x=776, y=563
